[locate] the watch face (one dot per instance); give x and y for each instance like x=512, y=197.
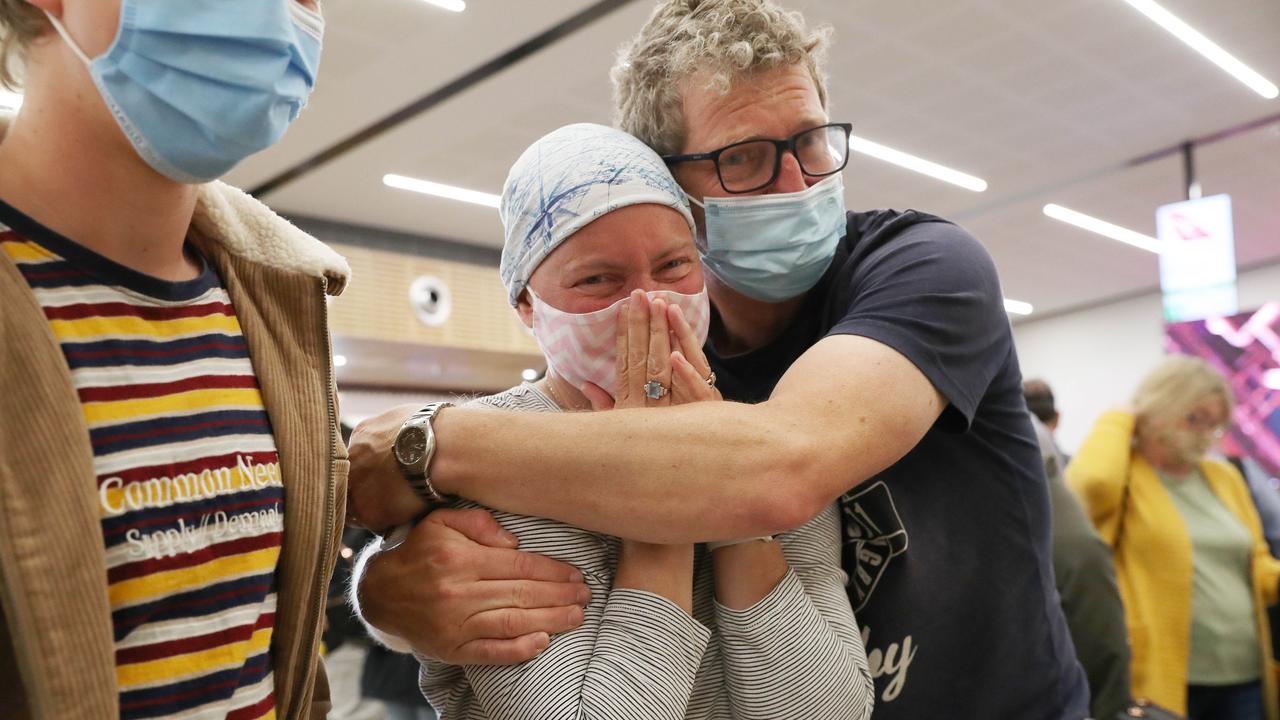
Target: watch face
x=411, y=445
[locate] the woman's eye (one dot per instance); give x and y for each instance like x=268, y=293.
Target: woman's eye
x=593, y=280
x=675, y=264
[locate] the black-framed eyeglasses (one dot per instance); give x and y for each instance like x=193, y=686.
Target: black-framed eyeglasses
x=754, y=164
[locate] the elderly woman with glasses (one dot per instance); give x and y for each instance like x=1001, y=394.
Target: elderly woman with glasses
x=1193, y=567
x=600, y=251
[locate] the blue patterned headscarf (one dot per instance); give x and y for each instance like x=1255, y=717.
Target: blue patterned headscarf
x=568, y=178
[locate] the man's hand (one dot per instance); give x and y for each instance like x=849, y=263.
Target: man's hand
x=459, y=591
x=378, y=496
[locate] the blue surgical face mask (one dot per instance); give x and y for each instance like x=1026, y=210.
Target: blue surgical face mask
x=199, y=86
x=773, y=247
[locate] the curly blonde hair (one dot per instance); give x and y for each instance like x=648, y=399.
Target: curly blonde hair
x=1175, y=385
x=20, y=23
x=721, y=39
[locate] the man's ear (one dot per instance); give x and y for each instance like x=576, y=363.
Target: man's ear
x=53, y=7
x=524, y=308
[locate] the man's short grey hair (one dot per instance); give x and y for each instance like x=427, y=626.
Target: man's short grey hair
x=716, y=41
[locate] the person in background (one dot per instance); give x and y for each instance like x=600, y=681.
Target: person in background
x=599, y=240
x=172, y=482
x=1042, y=405
x=1195, y=572
x=1086, y=580
x=1266, y=497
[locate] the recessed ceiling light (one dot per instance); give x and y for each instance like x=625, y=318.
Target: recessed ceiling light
x=339, y=360
x=529, y=374
x=10, y=99
x=426, y=187
x=1206, y=47
x=1102, y=227
x=916, y=164
x=1017, y=307
x=454, y=5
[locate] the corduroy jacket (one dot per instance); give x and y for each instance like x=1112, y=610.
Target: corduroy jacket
x=57, y=657
x=1153, y=557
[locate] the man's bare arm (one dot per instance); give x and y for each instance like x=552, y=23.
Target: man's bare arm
x=847, y=409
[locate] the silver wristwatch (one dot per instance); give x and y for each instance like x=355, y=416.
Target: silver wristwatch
x=414, y=448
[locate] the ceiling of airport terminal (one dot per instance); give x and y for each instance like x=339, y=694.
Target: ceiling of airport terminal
x=1047, y=100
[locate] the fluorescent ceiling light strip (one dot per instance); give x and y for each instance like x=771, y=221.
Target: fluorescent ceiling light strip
x=1017, y=307
x=913, y=163
x=1206, y=47
x=1102, y=227
x=450, y=192
x=454, y=5
x=9, y=99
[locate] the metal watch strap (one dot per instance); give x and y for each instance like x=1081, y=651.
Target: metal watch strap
x=421, y=483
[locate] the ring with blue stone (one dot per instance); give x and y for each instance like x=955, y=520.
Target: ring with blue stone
x=654, y=390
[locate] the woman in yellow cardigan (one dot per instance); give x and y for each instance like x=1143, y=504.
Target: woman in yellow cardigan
x=1194, y=571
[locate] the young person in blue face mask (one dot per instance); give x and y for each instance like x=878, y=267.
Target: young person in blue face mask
x=867, y=358
x=171, y=474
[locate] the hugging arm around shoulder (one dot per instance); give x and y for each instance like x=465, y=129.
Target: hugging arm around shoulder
x=922, y=315
x=798, y=652
x=635, y=655
x=828, y=426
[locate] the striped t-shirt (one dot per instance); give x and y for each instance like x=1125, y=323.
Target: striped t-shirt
x=188, y=479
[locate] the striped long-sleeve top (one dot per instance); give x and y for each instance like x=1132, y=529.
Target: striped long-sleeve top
x=796, y=653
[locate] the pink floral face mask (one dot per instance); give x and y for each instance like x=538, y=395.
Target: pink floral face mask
x=582, y=347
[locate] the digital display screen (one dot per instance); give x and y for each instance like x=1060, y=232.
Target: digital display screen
x=1245, y=348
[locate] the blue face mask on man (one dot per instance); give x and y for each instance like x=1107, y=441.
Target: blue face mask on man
x=199, y=86
x=773, y=247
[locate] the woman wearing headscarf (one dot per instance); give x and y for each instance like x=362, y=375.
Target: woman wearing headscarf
x=599, y=238
x=1194, y=570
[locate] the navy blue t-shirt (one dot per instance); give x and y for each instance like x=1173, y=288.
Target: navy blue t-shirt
x=948, y=550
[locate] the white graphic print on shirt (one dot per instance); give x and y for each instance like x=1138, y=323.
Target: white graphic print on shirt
x=873, y=536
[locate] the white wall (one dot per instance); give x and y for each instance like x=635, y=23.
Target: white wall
x=1094, y=358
